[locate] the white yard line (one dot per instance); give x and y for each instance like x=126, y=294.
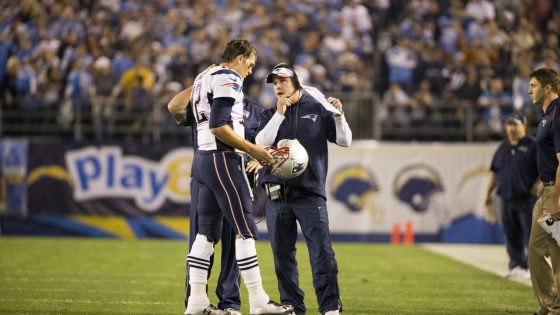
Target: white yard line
x=33, y=271
x=72, y=290
x=85, y=301
x=40, y=279
x=490, y=258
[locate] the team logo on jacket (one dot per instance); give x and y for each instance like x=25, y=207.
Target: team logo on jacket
x=246, y=113
x=312, y=117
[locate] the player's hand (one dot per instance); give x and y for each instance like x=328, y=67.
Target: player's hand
x=253, y=166
x=260, y=154
x=337, y=104
x=554, y=211
x=537, y=188
x=281, y=104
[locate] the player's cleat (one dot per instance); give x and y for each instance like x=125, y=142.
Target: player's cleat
x=335, y=312
x=271, y=308
x=550, y=226
x=232, y=311
x=204, y=310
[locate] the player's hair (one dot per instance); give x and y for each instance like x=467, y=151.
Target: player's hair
x=236, y=47
x=546, y=76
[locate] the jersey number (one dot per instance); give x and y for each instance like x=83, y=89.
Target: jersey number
x=200, y=116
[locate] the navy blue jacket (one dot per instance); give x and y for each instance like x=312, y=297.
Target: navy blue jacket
x=251, y=113
x=515, y=168
x=548, y=141
x=191, y=121
x=311, y=124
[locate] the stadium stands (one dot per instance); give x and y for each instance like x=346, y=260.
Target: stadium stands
x=429, y=70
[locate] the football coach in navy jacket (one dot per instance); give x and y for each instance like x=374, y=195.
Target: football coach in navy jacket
x=301, y=114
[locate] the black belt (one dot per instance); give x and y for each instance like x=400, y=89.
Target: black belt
x=548, y=183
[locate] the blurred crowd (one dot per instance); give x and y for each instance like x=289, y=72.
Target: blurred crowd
x=102, y=60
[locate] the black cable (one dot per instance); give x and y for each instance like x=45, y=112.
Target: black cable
x=293, y=131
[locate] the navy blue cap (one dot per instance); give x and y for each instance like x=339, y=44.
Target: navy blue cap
x=515, y=118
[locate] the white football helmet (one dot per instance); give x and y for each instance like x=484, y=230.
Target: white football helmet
x=290, y=159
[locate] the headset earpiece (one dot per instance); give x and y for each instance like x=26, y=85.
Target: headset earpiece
x=295, y=78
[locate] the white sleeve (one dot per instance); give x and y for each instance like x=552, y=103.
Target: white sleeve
x=343, y=132
x=226, y=85
x=267, y=135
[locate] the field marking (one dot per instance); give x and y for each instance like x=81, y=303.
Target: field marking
x=72, y=290
x=489, y=258
x=23, y=279
x=85, y=301
x=32, y=271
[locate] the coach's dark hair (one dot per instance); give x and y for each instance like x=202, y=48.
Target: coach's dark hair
x=546, y=76
x=236, y=47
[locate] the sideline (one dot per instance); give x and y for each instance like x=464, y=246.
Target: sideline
x=490, y=258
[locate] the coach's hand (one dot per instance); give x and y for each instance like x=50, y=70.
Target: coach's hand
x=488, y=200
x=281, y=104
x=337, y=104
x=554, y=211
x=537, y=188
x=490, y=214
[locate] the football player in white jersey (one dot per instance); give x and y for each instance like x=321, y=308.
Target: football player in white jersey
x=217, y=101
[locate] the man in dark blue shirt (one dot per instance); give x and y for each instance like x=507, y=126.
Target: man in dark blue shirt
x=314, y=122
x=543, y=90
x=514, y=172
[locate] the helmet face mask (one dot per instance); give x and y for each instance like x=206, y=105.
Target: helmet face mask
x=290, y=159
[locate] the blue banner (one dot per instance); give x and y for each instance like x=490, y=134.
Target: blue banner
x=130, y=179
x=13, y=172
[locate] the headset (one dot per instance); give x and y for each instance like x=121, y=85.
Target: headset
x=278, y=70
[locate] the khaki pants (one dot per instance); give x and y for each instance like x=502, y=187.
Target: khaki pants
x=545, y=280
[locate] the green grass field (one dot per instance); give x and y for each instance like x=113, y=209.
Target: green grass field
x=93, y=276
